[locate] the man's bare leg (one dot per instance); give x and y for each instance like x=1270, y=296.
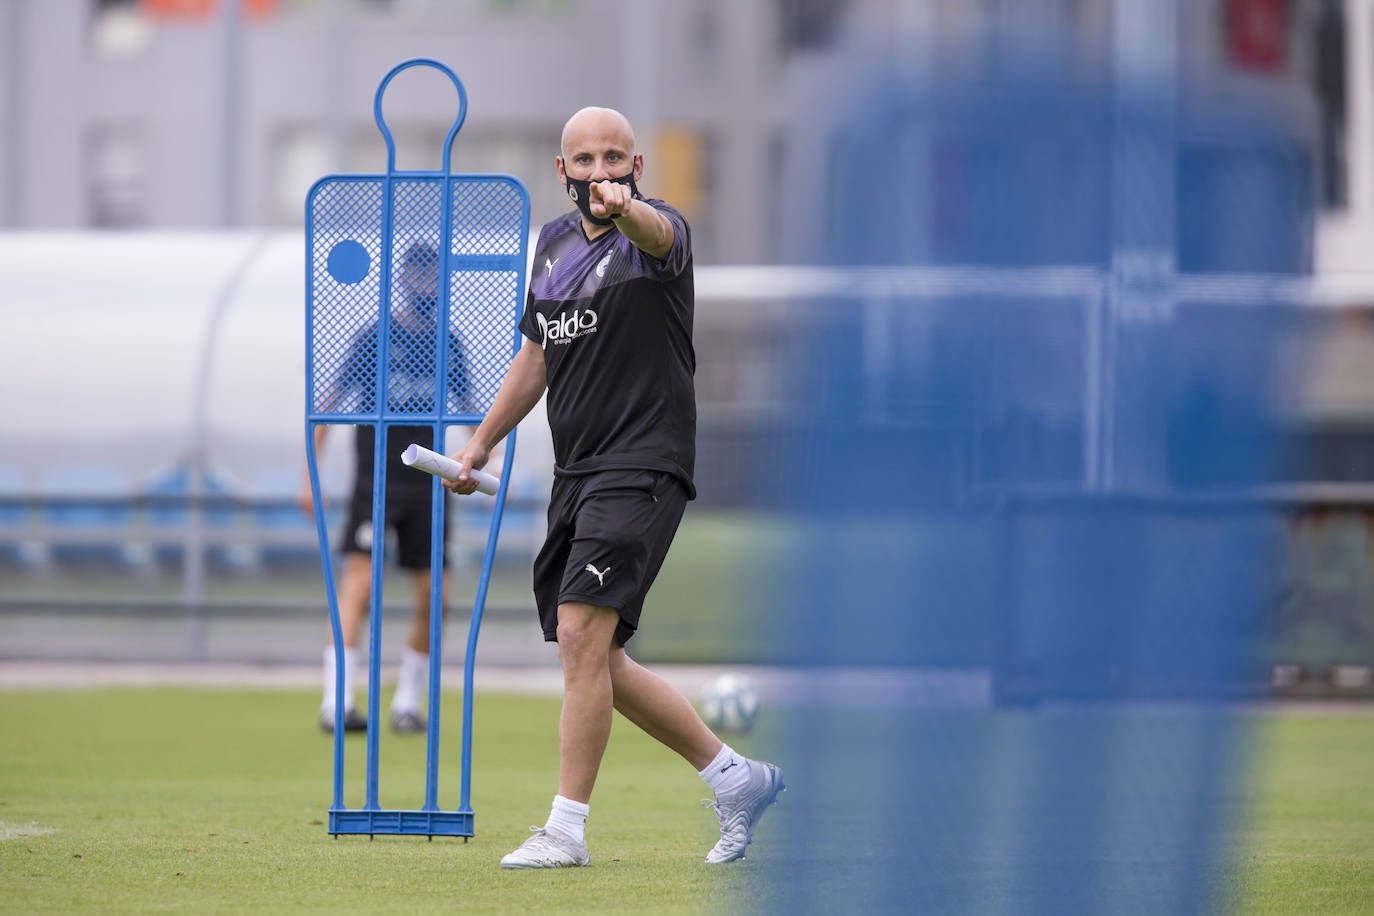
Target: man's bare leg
x=661, y=710
x=585, y=634
x=418, y=639
x=744, y=788
x=355, y=595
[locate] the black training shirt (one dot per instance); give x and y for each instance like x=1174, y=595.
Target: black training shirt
x=410, y=381
x=616, y=327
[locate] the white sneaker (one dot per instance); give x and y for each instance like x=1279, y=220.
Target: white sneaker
x=739, y=812
x=548, y=849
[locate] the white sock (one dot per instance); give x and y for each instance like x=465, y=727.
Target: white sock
x=727, y=773
x=412, y=682
x=350, y=670
x=569, y=818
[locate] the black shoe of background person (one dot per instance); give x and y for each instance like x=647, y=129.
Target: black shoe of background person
x=408, y=723
x=354, y=721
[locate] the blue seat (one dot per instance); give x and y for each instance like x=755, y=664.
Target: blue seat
x=16, y=549
x=176, y=483
x=288, y=534
x=89, y=517
x=170, y=509
x=523, y=522
x=525, y=519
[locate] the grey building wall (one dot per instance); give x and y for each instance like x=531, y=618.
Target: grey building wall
x=111, y=119
x=194, y=123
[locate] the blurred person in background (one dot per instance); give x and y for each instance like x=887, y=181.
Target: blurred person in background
x=608, y=334
x=411, y=358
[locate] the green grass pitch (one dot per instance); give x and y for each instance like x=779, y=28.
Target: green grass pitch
x=206, y=801
x=1307, y=840
x=201, y=801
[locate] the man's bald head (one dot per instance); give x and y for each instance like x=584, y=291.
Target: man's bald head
x=593, y=123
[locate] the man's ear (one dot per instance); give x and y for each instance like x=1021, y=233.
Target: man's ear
x=638, y=167
x=562, y=173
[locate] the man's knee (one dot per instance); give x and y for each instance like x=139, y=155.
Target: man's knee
x=422, y=591
x=585, y=633
x=357, y=580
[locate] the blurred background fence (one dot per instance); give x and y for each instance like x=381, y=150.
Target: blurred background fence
x=152, y=455
x=152, y=343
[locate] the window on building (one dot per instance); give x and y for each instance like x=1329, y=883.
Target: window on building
x=536, y=6
x=1303, y=41
x=526, y=154
x=1328, y=80
x=119, y=29
x=1257, y=35
x=301, y=155
x=192, y=10
x=805, y=24
x=118, y=172
x=1051, y=31
x=703, y=30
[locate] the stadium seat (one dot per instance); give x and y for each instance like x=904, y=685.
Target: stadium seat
x=287, y=536
x=89, y=520
x=17, y=549
x=170, y=510
x=523, y=525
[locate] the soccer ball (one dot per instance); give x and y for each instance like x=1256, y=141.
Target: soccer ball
x=729, y=703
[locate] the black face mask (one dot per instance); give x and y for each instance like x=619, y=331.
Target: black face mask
x=580, y=192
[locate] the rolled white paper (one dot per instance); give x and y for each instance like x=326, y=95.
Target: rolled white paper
x=422, y=459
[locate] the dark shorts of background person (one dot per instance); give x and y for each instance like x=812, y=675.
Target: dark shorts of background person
x=408, y=516
x=609, y=533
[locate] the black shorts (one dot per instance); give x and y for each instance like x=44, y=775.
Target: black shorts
x=407, y=515
x=608, y=535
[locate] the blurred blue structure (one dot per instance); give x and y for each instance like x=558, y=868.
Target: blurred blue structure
x=82, y=503
x=172, y=501
x=14, y=521
x=1052, y=388
x=278, y=515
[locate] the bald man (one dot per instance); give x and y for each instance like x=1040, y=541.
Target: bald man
x=608, y=334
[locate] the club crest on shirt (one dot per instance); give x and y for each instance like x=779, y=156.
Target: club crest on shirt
x=601, y=267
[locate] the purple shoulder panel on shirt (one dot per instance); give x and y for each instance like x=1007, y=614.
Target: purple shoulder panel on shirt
x=568, y=266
